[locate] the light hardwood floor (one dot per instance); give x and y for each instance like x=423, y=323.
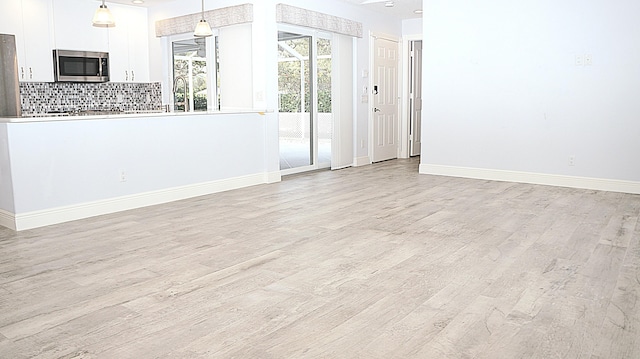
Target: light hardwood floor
x=369, y=262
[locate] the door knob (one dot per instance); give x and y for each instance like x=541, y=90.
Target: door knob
x=375, y=109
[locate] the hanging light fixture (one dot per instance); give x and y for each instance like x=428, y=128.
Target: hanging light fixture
x=203, y=29
x=103, y=17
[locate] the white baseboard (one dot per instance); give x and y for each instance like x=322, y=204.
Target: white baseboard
x=599, y=184
x=7, y=219
x=35, y=219
x=361, y=161
x=273, y=177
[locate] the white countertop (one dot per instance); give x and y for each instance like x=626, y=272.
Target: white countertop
x=54, y=118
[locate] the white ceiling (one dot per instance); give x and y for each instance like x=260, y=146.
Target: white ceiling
x=403, y=9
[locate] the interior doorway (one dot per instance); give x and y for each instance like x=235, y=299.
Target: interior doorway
x=385, y=99
x=415, y=97
x=304, y=101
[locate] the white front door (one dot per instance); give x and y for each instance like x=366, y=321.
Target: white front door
x=385, y=100
x=416, y=98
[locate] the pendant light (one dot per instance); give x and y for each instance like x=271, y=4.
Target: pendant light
x=202, y=29
x=103, y=17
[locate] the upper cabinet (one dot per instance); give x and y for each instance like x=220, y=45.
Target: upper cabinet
x=30, y=21
x=43, y=25
x=73, y=27
x=128, y=48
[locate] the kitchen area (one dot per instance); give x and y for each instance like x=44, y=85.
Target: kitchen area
x=103, y=143
x=42, y=29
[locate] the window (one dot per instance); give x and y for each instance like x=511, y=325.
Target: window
x=196, y=85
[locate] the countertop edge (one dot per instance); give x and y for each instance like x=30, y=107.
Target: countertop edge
x=127, y=116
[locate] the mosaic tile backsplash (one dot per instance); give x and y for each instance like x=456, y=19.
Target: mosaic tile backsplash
x=46, y=97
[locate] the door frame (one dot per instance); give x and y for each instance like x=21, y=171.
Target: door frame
x=405, y=117
x=370, y=115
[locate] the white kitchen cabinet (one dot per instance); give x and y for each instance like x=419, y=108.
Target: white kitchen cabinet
x=10, y=17
x=31, y=22
x=128, y=48
x=43, y=25
x=74, y=29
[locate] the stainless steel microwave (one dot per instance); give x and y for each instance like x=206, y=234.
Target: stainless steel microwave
x=80, y=66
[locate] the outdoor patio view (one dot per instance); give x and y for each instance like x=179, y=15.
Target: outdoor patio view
x=191, y=77
x=304, y=110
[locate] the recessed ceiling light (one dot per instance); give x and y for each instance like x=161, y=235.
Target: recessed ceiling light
x=418, y=11
x=388, y=4
x=138, y=1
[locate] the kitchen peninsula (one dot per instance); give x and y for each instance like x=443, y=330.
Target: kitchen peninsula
x=56, y=169
x=86, y=149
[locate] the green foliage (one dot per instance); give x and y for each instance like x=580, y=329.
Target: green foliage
x=199, y=72
x=200, y=102
x=292, y=89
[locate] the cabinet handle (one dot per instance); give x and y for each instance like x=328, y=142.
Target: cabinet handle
x=133, y=76
x=22, y=73
x=30, y=73
x=126, y=75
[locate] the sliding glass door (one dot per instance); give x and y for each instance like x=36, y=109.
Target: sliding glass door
x=304, y=101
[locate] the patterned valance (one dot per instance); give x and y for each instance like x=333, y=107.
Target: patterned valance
x=226, y=16
x=302, y=17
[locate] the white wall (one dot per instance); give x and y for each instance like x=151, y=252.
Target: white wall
x=502, y=90
x=63, y=163
x=6, y=183
x=235, y=54
x=412, y=27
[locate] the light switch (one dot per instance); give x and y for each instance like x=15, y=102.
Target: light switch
x=579, y=60
x=364, y=98
x=365, y=73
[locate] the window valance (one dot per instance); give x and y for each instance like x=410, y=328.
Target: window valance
x=302, y=17
x=225, y=16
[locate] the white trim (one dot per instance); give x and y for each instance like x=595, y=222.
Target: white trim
x=361, y=161
x=405, y=116
x=341, y=167
x=7, y=219
x=57, y=215
x=273, y=177
x=600, y=184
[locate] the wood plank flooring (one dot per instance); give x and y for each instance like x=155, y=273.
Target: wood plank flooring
x=369, y=262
